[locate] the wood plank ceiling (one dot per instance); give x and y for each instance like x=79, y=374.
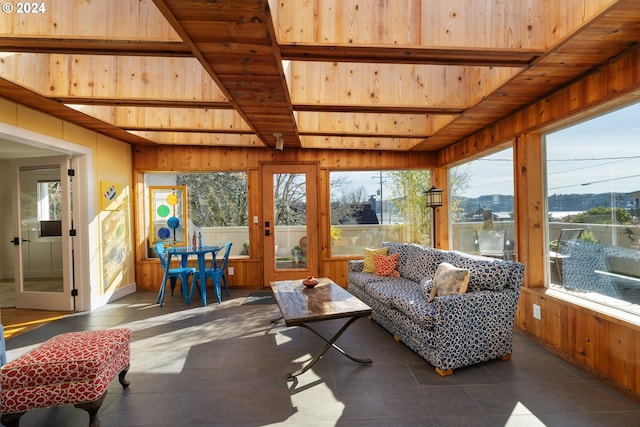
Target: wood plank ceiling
x=338, y=74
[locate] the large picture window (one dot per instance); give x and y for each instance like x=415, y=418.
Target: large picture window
x=371, y=207
x=216, y=205
x=482, y=206
x=593, y=194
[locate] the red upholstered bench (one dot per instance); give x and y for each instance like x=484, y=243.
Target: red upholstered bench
x=74, y=368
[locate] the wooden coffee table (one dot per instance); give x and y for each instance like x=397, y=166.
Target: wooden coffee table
x=300, y=306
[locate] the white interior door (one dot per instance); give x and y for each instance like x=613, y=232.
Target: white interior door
x=43, y=247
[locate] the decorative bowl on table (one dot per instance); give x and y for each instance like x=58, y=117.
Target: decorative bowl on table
x=310, y=282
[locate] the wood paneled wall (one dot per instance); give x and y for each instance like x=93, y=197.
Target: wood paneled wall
x=248, y=271
x=604, y=345
x=607, y=346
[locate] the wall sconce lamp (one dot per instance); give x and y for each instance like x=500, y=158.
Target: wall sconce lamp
x=279, y=141
x=434, y=200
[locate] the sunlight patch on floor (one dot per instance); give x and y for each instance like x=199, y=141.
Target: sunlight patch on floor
x=521, y=416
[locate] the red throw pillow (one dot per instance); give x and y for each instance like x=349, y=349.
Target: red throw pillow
x=386, y=265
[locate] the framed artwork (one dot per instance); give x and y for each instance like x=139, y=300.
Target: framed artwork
x=114, y=224
x=168, y=215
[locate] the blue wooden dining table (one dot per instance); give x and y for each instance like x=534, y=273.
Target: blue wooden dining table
x=185, y=252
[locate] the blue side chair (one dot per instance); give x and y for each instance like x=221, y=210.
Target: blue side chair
x=215, y=273
x=173, y=274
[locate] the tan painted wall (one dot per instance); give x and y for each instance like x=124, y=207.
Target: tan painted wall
x=111, y=161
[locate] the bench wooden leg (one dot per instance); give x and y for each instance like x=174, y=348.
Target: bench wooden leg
x=92, y=408
x=123, y=382
x=11, y=420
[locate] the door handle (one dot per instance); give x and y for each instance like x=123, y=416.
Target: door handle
x=16, y=241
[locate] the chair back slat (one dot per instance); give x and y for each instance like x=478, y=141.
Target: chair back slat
x=225, y=258
x=568, y=236
x=161, y=254
x=491, y=242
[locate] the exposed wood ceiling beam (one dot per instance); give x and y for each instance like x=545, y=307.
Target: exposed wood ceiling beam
x=146, y=102
x=352, y=108
x=189, y=130
x=253, y=79
x=410, y=55
x=24, y=96
x=294, y=52
x=364, y=135
x=94, y=46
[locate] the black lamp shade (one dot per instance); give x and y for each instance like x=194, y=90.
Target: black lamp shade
x=434, y=197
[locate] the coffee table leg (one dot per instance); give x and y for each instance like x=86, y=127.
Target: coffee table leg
x=330, y=343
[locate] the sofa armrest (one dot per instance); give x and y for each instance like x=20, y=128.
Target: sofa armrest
x=482, y=318
x=356, y=265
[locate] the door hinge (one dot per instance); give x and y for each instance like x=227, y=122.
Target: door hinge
x=74, y=292
x=71, y=172
x=72, y=232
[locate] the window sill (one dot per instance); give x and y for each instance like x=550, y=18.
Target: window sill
x=600, y=310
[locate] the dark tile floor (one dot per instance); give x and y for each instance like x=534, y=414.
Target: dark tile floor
x=226, y=365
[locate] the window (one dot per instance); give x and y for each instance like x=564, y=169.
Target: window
x=482, y=206
x=371, y=207
x=49, y=196
x=217, y=206
x=593, y=196
x=49, y=200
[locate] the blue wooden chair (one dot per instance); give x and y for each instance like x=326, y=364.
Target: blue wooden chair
x=215, y=273
x=173, y=274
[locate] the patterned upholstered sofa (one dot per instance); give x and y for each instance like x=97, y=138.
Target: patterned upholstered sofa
x=452, y=331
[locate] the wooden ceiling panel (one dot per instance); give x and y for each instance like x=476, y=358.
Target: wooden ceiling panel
x=415, y=75
x=358, y=143
x=118, y=77
x=393, y=84
x=535, y=24
x=450, y=23
x=164, y=118
x=126, y=20
x=373, y=125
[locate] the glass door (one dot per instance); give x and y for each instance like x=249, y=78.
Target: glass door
x=42, y=255
x=290, y=221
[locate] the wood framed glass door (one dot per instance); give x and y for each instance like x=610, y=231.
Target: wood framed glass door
x=290, y=221
x=43, y=249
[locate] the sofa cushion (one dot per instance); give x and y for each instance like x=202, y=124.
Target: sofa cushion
x=412, y=303
x=484, y=273
x=386, y=265
x=449, y=280
x=359, y=279
x=369, y=260
x=385, y=288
